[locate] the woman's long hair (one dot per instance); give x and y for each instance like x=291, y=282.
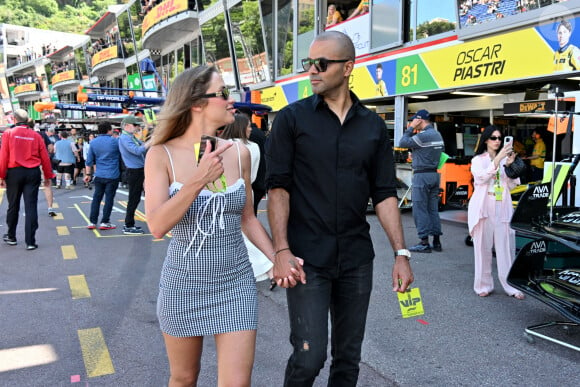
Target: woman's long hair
x=487, y=132
x=186, y=92
x=237, y=129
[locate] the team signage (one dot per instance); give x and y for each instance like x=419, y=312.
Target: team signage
x=451, y=64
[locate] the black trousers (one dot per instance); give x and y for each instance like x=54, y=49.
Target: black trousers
x=135, y=179
x=23, y=182
x=346, y=294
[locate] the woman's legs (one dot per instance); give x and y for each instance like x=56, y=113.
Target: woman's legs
x=235, y=353
x=482, y=243
x=184, y=355
x=504, y=253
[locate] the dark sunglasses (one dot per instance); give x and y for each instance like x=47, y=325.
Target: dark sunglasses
x=321, y=64
x=223, y=93
x=494, y=138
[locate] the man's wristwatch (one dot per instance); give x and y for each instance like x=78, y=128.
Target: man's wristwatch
x=404, y=253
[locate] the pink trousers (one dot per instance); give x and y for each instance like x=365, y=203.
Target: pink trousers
x=487, y=233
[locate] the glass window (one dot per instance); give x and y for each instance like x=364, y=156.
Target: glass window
x=268, y=26
x=386, y=21
x=124, y=40
x=430, y=20
x=217, y=50
x=248, y=42
x=81, y=63
x=305, y=29
x=196, y=52
x=285, y=30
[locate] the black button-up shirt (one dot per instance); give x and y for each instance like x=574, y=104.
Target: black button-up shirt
x=330, y=170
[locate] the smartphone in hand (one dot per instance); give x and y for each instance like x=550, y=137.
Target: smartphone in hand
x=507, y=140
x=203, y=144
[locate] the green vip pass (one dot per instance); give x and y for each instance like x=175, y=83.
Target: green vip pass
x=411, y=303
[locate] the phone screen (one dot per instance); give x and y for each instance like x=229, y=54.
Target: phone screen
x=203, y=144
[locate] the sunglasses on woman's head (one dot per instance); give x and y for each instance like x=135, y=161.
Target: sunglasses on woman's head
x=320, y=64
x=223, y=93
x=494, y=138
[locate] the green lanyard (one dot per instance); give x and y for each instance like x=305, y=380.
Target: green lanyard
x=498, y=189
x=214, y=187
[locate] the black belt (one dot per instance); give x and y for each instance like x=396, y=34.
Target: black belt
x=425, y=170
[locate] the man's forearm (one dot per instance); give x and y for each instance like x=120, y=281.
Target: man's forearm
x=390, y=218
x=278, y=213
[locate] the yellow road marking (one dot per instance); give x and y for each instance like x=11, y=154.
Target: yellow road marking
x=138, y=214
x=78, y=287
x=62, y=230
x=58, y=216
x=96, y=230
x=54, y=205
x=95, y=353
x=2, y=190
x=68, y=252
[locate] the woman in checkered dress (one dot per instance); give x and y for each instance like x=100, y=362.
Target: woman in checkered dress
x=207, y=286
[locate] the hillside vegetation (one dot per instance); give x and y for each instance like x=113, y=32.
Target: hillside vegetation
x=74, y=16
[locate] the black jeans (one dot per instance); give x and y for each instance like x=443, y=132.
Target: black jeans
x=23, y=182
x=135, y=179
x=346, y=295
x=108, y=189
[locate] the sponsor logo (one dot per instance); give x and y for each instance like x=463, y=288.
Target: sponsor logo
x=537, y=247
x=541, y=192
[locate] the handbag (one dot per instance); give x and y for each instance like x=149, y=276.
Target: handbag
x=515, y=169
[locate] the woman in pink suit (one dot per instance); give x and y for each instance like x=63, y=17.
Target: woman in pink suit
x=490, y=211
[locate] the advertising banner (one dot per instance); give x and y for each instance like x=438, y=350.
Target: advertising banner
x=64, y=76
x=161, y=12
x=28, y=87
x=523, y=54
x=104, y=55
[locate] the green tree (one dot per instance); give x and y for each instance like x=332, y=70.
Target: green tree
x=431, y=28
x=43, y=7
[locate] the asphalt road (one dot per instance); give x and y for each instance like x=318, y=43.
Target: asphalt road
x=80, y=310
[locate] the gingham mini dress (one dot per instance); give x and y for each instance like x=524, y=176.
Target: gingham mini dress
x=207, y=284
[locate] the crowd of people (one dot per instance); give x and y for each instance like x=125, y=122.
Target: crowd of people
x=336, y=13
x=204, y=171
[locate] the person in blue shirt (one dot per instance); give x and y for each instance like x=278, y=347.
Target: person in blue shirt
x=133, y=154
x=105, y=156
x=67, y=153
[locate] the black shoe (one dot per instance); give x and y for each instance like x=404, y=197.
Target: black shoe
x=32, y=247
x=420, y=248
x=437, y=247
x=9, y=240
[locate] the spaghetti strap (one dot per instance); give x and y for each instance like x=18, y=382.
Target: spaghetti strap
x=239, y=158
x=170, y=162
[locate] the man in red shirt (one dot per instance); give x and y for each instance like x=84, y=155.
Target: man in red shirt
x=22, y=152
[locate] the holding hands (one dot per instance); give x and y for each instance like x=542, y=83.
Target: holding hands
x=288, y=269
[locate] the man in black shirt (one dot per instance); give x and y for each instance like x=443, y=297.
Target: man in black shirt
x=327, y=155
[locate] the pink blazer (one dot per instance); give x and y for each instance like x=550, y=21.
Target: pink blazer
x=483, y=171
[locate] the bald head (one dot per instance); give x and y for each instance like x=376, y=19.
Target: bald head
x=21, y=115
x=345, y=47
